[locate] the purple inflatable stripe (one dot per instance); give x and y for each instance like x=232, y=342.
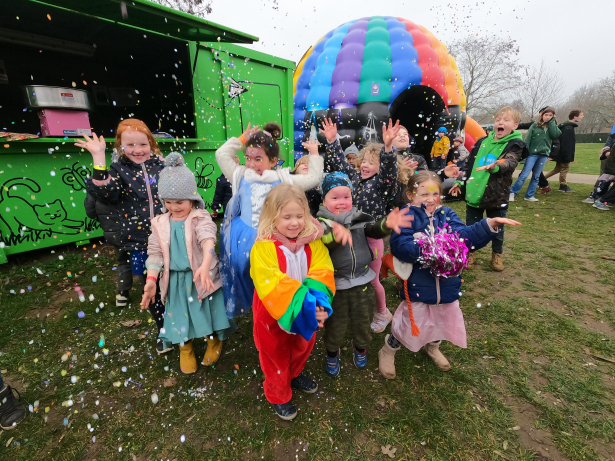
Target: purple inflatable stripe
x=347, y=74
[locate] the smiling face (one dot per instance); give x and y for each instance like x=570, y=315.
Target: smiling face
x=135, y=146
x=257, y=160
x=504, y=125
x=369, y=167
x=338, y=200
x=402, y=140
x=427, y=192
x=179, y=209
x=291, y=220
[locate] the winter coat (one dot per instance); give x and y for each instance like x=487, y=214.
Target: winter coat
x=134, y=188
x=199, y=227
x=372, y=195
x=609, y=165
x=105, y=213
x=539, y=140
x=497, y=192
x=567, y=142
x=351, y=263
x=457, y=153
x=440, y=147
x=222, y=194
x=422, y=285
x=314, y=197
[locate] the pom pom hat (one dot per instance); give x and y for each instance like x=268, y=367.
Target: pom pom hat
x=177, y=182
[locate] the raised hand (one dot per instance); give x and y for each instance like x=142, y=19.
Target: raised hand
x=149, y=292
x=341, y=234
x=494, y=222
x=249, y=131
x=455, y=190
x=390, y=133
x=398, y=219
x=491, y=166
x=409, y=164
x=311, y=146
x=329, y=130
x=451, y=171
x=95, y=146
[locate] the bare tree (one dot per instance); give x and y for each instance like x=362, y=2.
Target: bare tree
x=489, y=68
x=541, y=87
x=199, y=8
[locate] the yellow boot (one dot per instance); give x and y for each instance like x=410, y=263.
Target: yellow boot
x=214, y=349
x=187, y=359
x=471, y=261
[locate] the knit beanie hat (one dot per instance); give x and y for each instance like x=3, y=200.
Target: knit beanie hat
x=334, y=180
x=442, y=130
x=177, y=182
x=352, y=149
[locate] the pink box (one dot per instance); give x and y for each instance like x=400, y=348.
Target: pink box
x=59, y=122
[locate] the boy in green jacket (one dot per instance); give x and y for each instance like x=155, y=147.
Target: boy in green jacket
x=487, y=176
x=538, y=139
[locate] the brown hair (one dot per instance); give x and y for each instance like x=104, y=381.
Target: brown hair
x=516, y=115
x=403, y=173
x=574, y=113
x=304, y=159
x=369, y=150
x=421, y=177
x=132, y=124
x=276, y=199
x=267, y=139
x=547, y=109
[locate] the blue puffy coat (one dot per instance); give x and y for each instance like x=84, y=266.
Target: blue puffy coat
x=422, y=285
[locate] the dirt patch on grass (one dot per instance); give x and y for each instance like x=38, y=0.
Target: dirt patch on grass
x=45, y=313
x=537, y=440
x=606, y=450
x=296, y=449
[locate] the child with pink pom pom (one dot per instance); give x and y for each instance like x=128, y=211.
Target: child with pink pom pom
x=429, y=266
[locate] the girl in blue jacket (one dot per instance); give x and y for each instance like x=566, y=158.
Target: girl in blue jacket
x=430, y=312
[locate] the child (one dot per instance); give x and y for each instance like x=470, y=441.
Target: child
x=567, y=142
x=132, y=183
x=458, y=154
x=181, y=246
x=251, y=183
x=601, y=196
x=538, y=139
x=355, y=299
x=430, y=312
x=293, y=276
x=314, y=196
x=487, y=177
x=108, y=217
x=222, y=194
x=374, y=188
x=404, y=143
x=351, y=153
x=440, y=149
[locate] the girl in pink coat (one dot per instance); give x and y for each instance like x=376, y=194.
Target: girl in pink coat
x=181, y=251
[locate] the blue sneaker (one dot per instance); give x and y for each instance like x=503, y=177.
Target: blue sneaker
x=601, y=206
x=333, y=365
x=360, y=358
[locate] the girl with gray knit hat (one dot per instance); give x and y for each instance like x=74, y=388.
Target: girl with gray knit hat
x=181, y=252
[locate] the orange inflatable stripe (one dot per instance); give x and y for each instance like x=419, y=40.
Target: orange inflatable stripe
x=450, y=77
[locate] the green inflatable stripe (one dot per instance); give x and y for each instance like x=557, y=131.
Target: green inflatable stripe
x=376, y=69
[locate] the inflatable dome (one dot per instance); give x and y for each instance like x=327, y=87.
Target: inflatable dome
x=370, y=69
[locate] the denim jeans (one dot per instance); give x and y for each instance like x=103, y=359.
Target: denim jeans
x=474, y=215
x=533, y=164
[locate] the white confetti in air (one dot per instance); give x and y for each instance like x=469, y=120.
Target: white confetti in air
x=154, y=398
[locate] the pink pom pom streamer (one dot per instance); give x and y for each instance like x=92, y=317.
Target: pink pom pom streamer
x=444, y=253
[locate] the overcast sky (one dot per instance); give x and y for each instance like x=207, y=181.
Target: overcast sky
x=576, y=38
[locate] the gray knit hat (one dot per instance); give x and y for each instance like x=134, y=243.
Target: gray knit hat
x=177, y=182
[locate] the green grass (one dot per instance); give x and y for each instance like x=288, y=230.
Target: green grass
x=586, y=159
x=529, y=363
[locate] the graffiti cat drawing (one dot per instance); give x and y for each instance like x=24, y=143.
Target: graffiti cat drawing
x=27, y=221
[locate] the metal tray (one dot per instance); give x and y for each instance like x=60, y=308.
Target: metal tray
x=40, y=97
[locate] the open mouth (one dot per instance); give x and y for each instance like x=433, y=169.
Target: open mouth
x=500, y=130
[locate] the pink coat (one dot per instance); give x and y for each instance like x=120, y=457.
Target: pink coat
x=199, y=228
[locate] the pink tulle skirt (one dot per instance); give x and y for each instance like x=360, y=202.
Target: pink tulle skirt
x=441, y=322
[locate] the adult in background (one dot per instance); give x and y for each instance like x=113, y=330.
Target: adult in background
x=567, y=142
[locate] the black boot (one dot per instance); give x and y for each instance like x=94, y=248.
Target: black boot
x=565, y=188
x=303, y=383
x=285, y=411
x=11, y=409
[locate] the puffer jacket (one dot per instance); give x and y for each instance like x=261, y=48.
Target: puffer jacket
x=105, y=213
x=199, y=227
x=497, y=192
x=567, y=142
x=422, y=285
x=351, y=263
x=440, y=147
x=134, y=188
x=372, y=195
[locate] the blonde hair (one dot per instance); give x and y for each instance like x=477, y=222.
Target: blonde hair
x=280, y=196
x=516, y=115
x=304, y=159
x=403, y=173
x=369, y=150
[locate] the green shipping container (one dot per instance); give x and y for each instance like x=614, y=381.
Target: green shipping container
x=181, y=75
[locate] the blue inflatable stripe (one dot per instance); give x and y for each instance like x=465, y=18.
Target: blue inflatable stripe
x=404, y=57
x=320, y=83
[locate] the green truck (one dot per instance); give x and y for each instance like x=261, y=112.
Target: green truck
x=185, y=77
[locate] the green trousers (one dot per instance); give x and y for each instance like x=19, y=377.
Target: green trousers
x=356, y=305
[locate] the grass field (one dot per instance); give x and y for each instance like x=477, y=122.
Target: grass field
x=537, y=381
x=586, y=159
